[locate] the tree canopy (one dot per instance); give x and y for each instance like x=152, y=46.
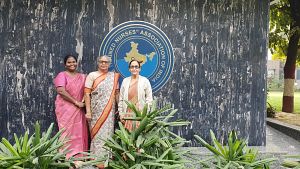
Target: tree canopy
x=280, y=29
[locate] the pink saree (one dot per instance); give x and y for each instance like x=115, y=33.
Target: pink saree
x=70, y=117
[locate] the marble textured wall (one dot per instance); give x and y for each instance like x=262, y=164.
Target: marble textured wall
x=220, y=47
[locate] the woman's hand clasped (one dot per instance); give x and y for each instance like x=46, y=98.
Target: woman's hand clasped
x=122, y=119
x=88, y=116
x=79, y=104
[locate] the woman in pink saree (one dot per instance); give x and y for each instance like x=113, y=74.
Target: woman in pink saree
x=101, y=91
x=69, y=108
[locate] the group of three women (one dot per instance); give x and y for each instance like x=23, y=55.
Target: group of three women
x=91, y=101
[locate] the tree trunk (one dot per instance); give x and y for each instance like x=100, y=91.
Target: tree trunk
x=290, y=64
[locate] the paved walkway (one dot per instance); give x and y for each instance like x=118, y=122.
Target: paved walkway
x=278, y=142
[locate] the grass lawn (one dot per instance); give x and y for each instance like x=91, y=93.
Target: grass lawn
x=275, y=99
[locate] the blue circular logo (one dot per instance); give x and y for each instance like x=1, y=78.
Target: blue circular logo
x=144, y=42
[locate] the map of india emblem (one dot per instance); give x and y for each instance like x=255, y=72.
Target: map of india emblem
x=144, y=42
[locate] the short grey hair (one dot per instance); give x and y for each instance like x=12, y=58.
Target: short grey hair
x=104, y=56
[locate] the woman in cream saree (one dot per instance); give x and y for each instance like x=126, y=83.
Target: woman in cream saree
x=137, y=90
x=100, y=89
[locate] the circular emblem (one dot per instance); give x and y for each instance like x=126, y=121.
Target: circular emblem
x=144, y=42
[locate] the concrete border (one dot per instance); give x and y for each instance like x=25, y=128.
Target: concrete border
x=288, y=129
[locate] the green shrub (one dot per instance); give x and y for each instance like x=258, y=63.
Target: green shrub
x=275, y=85
x=38, y=152
x=234, y=155
x=271, y=111
x=151, y=145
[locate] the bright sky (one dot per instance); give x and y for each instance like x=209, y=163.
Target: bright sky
x=269, y=55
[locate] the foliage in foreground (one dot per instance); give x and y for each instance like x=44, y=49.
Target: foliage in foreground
x=292, y=163
x=234, y=156
x=271, y=111
x=151, y=145
x=37, y=152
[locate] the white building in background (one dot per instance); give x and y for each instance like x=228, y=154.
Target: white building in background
x=297, y=77
x=275, y=71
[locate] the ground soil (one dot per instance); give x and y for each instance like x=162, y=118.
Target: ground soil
x=290, y=118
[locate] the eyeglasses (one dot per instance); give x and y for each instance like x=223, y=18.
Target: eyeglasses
x=103, y=62
x=134, y=67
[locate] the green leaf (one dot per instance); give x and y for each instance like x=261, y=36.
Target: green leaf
x=145, y=111
x=133, y=108
x=205, y=144
x=290, y=164
x=10, y=147
x=24, y=143
x=165, y=153
x=17, y=143
x=35, y=160
x=149, y=141
x=142, y=126
x=4, y=150
x=48, y=133
x=178, y=123
x=217, y=145
x=120, y=160
x=130, y=156
x=170, y=115
x=123, y=134
x=116, y=144
x=115, y=166
x=37, y=134
x=163, y=143
x=139, y=141
x=146, y=155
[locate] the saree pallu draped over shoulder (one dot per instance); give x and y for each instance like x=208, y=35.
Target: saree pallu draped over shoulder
x=103, y=110
x=70, y=117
